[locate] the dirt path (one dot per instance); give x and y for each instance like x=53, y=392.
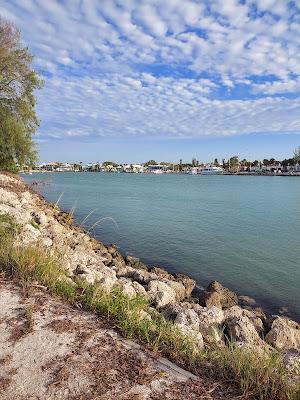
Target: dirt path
x=50, y=350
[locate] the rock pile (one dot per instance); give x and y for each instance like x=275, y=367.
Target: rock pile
x=211, y=315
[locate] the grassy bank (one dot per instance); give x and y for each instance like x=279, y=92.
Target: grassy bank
x=260, y=376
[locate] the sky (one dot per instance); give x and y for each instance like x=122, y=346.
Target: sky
x=132, y=80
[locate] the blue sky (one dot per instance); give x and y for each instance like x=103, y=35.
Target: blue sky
x=164, y=79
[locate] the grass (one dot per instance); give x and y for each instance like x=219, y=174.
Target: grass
x=261, y=376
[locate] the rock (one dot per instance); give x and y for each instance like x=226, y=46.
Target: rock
x=210, y=299
x=139, y=289
x=178, y=288
x=187, y=282
x=103, y=275
x=246, y=301
x=123, y=270
x=161, y=293
x=112, y=249
x=228, y=298
x=161, y=273
x=237, y=312
x=40, y=218
x=242, y=331
x=143, y=277
x=171, y=311
x=284, y=334
x=30, y=234
x=125, y=285
x=210, y=323
x=108, y=258
x=192, y=334
x=136, y=263
x=291, y=359
x=188, y=318
x=47, y=242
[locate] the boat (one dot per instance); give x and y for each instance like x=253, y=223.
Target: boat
x=212, y=170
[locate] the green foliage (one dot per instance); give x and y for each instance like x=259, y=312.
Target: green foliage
x=8, y=229
x=150, y=162
x=106, y=163
x=18, y=81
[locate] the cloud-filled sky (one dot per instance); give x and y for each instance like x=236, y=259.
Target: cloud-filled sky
x=163, y=73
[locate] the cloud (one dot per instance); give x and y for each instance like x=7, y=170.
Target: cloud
x=176, y=68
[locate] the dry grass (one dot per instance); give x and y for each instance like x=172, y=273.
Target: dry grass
x=259, y=375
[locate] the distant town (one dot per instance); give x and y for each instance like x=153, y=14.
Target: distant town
x=233, y=165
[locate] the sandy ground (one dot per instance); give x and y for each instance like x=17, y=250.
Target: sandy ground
x=50, y=350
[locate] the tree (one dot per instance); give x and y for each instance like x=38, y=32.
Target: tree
x=297, y=155
x=106, y=163
x=233, y=163
x=18, y=81
x=150, y=162
x=216, y=162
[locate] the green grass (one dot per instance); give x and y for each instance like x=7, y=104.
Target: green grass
x=262, y=376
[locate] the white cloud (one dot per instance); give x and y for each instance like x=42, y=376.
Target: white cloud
x=173, y=68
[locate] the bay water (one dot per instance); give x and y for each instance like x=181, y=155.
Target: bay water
x=243, y=231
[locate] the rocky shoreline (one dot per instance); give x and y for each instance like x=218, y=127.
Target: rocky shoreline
x=211, y=316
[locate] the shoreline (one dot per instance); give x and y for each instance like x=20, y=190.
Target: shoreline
x=208, y=316
x=295, y=174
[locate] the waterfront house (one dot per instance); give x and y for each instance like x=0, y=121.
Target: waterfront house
x=135, y=168
x=157, y=168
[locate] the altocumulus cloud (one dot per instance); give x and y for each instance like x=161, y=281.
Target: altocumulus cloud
x=163, y=68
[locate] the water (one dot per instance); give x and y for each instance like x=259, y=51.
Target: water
x=241, y=230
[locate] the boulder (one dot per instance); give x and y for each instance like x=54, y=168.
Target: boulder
x=291, y=359
x=210, y=323
x=143, y=277
x=103, y=275
x=161, y=273
x=284, y=334
x=112, y=249
x=125, y=286
x=136, y=263
x=193, y=335
x=237, y=312
x=188, y=318
x=178, y=288
x=139, y=289
x=161, y=293
x=30, y=234
x=246, y=301
x=225, y=299
x=210, y=299
x=242, y=331
x=188, y=283
x=40, y=218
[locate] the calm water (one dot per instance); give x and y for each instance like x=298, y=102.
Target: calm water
x=243, y=231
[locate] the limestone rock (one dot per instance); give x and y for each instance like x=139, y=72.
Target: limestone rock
x=178, y=288
x=187, y=282
x=136, y=263
x=284, y=334
x=226, y=298
x=161, y=293
x=161, y=273
x=291, y=359
x=210, y=299
x=242, y=331
x=210, y=322
x=188, y=318
x=237, y=312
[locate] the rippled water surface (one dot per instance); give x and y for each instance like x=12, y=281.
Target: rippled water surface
x=241, y=230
